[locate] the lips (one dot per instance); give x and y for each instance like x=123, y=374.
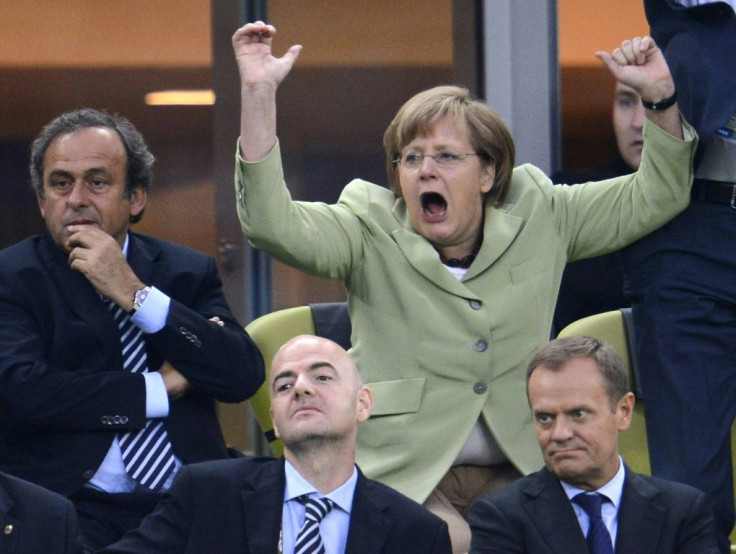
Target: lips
x=434, y=206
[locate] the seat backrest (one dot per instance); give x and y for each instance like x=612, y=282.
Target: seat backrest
x=611, y=327
x=270, y=332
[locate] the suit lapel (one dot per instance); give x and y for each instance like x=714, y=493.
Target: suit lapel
x=263, y=500
x=80, y=296
x=640, y=516
x=145, y=259
x=499, y=231
x=369, y=523
x=8, y=524
x=550, y=510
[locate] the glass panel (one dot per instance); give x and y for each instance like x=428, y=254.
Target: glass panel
x=360, y=62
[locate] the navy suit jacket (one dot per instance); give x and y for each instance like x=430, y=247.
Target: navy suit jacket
x=699, y=45
x=236, y=506
x=533, y=515
x=61, y=376
x=34, y=520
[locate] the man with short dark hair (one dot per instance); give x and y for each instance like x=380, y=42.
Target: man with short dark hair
x=577, y=391
x=113, y=345
x=314, y=494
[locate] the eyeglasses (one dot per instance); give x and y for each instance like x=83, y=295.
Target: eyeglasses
x=445, y=159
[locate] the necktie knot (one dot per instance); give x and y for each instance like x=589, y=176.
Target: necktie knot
x=591, y=503
x=309, y=540
x=598, y=537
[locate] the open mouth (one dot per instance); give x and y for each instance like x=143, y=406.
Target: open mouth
x=433, y=204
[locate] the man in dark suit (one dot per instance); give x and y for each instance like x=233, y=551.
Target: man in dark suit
x=257, y=506
x=579, y=399
x=106, y=427
x=35, y=520
x=681, y=278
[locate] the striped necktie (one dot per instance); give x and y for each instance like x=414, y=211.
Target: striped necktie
x=309, y=541
x=147, y=452
x=598, y=538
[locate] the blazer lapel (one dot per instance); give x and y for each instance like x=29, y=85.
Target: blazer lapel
x=145, y=260
x=263, y=500
x=80, y=296
x=640, y=516
x=550, y=510
x=369, y=524
x=499, y=231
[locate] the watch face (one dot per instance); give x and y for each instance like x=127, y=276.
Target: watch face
x=140, y=296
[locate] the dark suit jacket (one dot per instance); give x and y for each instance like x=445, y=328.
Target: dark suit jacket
x=61, y=374
x=34, y=520
x=699, y=44
x=534, y=515
x=236, y=506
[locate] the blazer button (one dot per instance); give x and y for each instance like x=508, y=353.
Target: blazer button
x=481, y=346
x=88, y=474
x=8, y=529
x=123, y=419
x=105, y=420
x=480, y=388
x=475, y=304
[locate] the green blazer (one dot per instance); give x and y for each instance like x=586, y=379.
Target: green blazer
x=439, y=353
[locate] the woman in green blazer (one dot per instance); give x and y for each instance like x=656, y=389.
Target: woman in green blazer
x=452, y=274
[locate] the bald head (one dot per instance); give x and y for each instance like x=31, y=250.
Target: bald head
x=302, y=347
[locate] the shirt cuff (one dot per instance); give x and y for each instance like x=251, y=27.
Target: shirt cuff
x=157, y=399
x=151, y=316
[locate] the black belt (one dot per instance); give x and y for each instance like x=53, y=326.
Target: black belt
x=717, y=192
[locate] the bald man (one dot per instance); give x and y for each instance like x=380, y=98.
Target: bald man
x=264, y=505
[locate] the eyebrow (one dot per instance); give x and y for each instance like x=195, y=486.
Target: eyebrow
x=288, y=373
x=89, y=172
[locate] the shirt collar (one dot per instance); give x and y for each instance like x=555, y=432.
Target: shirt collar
x=297, y=485
x=126, y=244
x=613, y=490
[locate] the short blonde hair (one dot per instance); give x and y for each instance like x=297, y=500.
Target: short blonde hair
x=489, y=135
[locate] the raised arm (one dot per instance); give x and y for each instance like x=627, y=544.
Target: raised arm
x=640, y=64
x=260, y=75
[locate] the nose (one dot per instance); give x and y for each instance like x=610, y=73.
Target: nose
x=428, y=167
x=78, y=196
x=303, y=385
x=561, y=431
x=638, y=118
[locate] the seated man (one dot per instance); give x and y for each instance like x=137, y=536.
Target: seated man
x=34, y=519
x=577, y=391
x=113, y=345
x=315, y=493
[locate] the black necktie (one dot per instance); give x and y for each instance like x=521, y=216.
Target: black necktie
x=309, y=541
x=598, y=538
x=147, y=452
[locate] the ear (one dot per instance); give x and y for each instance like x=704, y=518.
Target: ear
x=138, y=199
x=273, y=424
x=488, y=177
x=365, y=404
x=41, y=204
x=624, y=410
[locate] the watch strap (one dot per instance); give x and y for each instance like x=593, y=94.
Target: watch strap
x=659, y=105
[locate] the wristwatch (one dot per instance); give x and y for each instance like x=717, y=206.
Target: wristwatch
x=139, y=297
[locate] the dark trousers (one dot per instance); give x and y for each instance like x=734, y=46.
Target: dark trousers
x=681, y=281
x=104, y=518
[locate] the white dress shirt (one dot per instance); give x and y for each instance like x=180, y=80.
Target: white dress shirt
x=333, y=528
